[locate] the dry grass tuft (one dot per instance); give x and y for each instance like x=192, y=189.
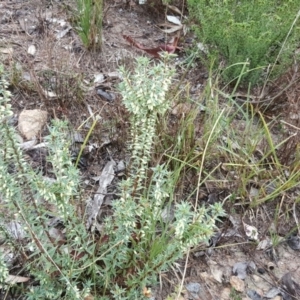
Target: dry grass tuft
x=285, y=107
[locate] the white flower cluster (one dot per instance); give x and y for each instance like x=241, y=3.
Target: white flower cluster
x=3, y=270
x=145, y=90
x=21, y=177
x=159, y=190
x=144, y=96
x=5, y=94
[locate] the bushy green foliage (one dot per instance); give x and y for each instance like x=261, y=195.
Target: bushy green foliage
x=25, y=194
x=247, y=31
x=146, y=242
x=147, y=231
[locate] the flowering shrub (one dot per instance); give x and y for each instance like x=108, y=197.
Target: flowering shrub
x=137, y=242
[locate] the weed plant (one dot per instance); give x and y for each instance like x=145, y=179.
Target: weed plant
x=90, y=15
x=251, y=32
x=136, y=243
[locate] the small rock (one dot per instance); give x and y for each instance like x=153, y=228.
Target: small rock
x=225, y=294
x=272, y=293
x=121, y=166
x=264, y=244
x=256, y=278
x=99, y=78
x=261, y=271
x=217, y=273
x=237, y=283
x=294, y=242
x=31, y=122
x=193, y=287
x=107, y=96
x=240, y=269
x=114, y=75
x=31, y=50
x=253, y=295
x=16, y=230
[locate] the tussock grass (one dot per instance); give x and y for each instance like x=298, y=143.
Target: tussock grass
x=90, y=15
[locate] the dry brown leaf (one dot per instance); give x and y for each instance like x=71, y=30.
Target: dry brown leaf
x=175, y=9
x=6, y=50
x=12, y=279
x=171, y=28
x=174, y=20
x=170, y=48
